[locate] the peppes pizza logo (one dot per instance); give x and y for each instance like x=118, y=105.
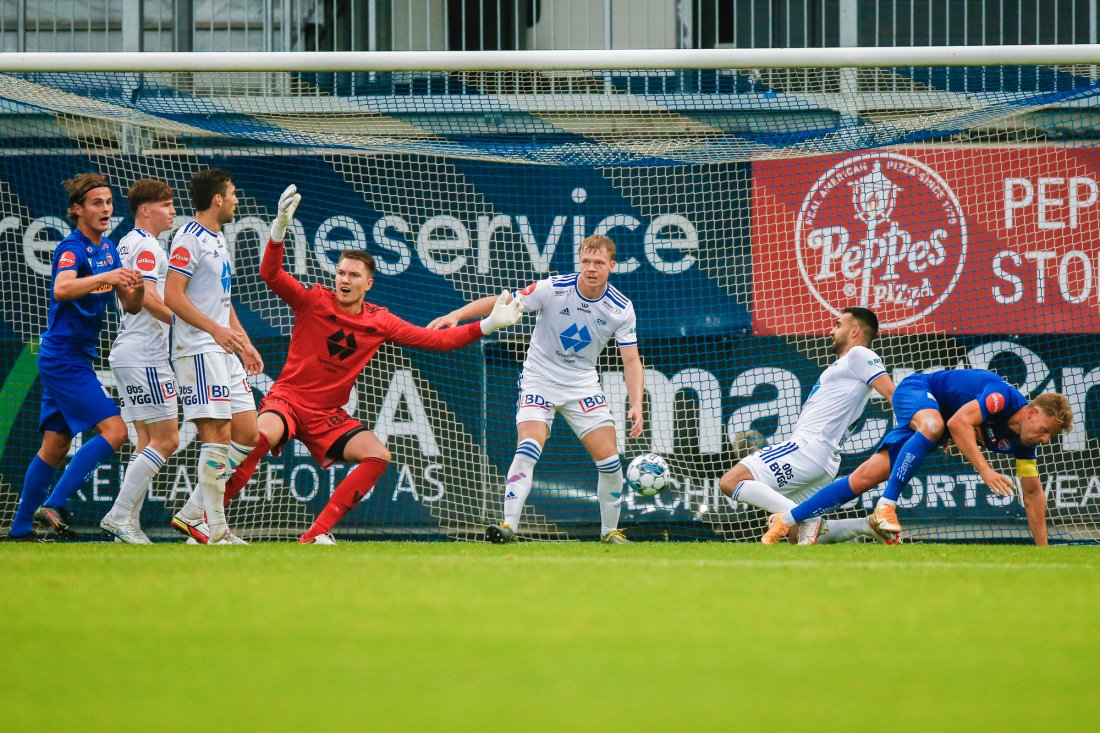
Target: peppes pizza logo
x=180, y=257
x=67, y=259
x=994, y=402
x=146, y=262
x=882, y=231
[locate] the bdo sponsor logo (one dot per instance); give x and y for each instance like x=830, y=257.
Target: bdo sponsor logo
x=881, y=231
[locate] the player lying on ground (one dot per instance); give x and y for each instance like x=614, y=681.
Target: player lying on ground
x=212, y=355
x=306, y=402
x=978, y=409
x=777, y=477
x=85, y=271
x=577, y=315
x=144, y=381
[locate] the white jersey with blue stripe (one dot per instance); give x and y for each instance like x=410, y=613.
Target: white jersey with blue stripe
x=571, y=330
x=142, y=340
x=201, y=255
x=838, y=399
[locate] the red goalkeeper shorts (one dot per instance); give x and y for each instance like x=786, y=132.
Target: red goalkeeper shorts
x=324, y=433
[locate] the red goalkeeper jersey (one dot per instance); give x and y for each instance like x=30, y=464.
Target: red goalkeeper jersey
x=328, y=347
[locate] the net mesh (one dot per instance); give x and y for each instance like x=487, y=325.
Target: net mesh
x=748, y=207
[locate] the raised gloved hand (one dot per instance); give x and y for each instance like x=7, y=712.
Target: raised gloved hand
x=503, y=314
x=288, y=202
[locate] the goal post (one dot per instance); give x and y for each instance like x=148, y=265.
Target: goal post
x=752, y=195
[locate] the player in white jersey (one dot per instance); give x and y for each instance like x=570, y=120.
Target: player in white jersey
x=211, y=354
x=577, y=315
x=776, y=478
x=144, y=380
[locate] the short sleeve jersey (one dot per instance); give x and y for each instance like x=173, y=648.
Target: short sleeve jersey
x=571, y=330
x=203, y=257
x=839, y=397
x=997, y=399
x=74, y=325
x=142, y=340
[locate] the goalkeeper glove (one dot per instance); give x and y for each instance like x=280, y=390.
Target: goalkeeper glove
x=503, y=315
x=288, y=202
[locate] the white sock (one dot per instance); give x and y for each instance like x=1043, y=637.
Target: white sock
x=212, y=458
x=139, y=472
x=237, y=454
x=609, y=489
x=762, y=496
x=195, y=505
x=845, y=530
x=520, y=475
x=883, y=501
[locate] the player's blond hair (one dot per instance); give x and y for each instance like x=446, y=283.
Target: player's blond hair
x=1057, y=406
x=78, y=187
x=598, y=242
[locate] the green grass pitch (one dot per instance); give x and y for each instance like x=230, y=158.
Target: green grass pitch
x=653, y=637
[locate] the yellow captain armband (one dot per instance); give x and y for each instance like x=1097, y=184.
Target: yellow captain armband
x=1026, y=468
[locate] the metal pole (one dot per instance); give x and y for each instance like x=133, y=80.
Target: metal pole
x=133, y=25
x=183, y=32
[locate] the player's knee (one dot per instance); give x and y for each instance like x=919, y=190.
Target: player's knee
x=114, y=432
x=382, y=453
x=931, y=425
x=166, y=445
x=731, y=478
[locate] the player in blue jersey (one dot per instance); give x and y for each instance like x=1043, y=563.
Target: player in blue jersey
x=973, y=407
x=86, y=276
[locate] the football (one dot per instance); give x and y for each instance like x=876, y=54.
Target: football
x=647, y=474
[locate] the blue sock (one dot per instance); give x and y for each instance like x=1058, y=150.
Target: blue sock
x=907, y=463
x=86, y=460
x=837, y=493
x=36, y=484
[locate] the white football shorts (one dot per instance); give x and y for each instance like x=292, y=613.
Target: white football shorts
x=147, y=394
x=212, y=385
x=538, y=402
x=794, y=470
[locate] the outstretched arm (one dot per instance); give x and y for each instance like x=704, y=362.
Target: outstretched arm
x=279, y=280
x=474, y=309
x=963, y=425
x=505, y=312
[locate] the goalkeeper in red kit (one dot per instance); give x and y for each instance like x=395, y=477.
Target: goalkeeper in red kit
x=335, y=334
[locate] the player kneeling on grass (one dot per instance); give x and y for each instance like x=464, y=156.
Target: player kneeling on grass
x=977, y=409
x=777, y=477
x=306, y=402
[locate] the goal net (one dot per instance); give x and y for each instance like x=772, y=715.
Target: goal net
x=749, y=206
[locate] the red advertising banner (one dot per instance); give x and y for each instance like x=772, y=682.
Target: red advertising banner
x=961, y=240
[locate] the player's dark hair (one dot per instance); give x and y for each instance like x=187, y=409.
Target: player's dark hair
x=78, y=187
x=360, y=256
x=867, y=320
x=147, y=191
x=207, y=184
